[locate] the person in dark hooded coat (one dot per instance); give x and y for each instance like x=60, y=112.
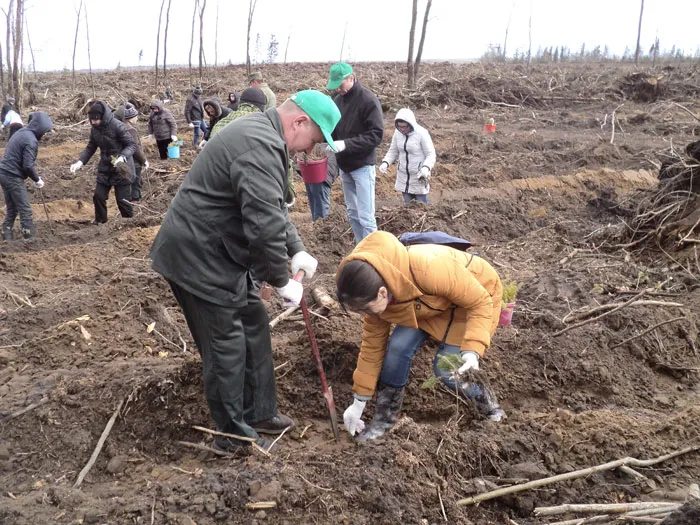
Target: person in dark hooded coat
x=116, y=166
x=16, y=165
x=233, y=100
x=216, y=112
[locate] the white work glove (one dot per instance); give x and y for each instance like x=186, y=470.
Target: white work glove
x=471, y=361
x=120, y=159
x=304, y=261
x=339, y=146
x=146, y=165
x=191, y=124
x=39, y=183
x=173, y=138
x=424, y=174
x=202, y=143
x=352, y=417
x=384, y=167
x=292, y=292
x=150, y=137
x=76, y=166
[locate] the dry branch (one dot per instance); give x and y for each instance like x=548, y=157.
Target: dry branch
x=281, y=317
x=645, y=332
x=25, y=410
x=575, y=475
x=612, y=508
x=560, y=332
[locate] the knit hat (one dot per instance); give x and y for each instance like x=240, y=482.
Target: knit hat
x=254, y=96
x=198, y=90
x=338, y=72
x=130, y=111
x=321, y=109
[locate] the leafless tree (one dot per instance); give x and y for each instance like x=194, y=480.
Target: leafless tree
x=286, y=48
x=2, y=76
x=75, y=41
x=251, y=11
x=160, y=18
x=8, y=42
x=505, y=40
x=216, y=37
x=202, y=60
x=342, y=43
x=165, y=41
x=31, y=50
x=18, y=48
x=639, y=35
x=87, y=34
x=529, y=47
x=414, y=65
x=194, y=16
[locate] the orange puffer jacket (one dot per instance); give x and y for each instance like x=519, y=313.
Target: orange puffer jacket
x=426, y=281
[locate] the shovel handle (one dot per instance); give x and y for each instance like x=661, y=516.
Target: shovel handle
x=300, y=276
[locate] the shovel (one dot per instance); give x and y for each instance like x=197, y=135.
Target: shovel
x=327, y=391
x=46, y=210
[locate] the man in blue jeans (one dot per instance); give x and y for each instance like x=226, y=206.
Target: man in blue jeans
x=194, y=114
x=356, y=138
x=319, y=194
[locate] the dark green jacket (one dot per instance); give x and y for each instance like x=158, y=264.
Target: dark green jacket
x=229, y=215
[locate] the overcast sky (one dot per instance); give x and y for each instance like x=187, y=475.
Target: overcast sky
x=376, y=29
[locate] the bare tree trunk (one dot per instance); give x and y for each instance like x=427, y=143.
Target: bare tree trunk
x=87, y=33
x=410, y=77
x=529, y=48
x=505, y=40
x=160, y=17
x=31, y=50
x=419, y=54
x=17, y=69
x=342, y=43
x=201, y=39
x=286, y=48
x=75, y=41
x=639, y=35
x=251, y=11
x=2, y=76
x=165, y=41
x=8, y=43
x=216, y=37
x=194, y=16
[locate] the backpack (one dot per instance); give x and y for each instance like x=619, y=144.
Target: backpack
x=411, y=238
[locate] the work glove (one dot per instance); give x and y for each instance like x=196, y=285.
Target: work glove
x=202, y=143
x=39, y=183
x=173, y=138
x=119, y=160
x=76, y=166
x=384, y=167
x=146, y=165
x=471, y=362
x=424, y=174
x=352, y=417
x=292, y=292
x=339, y=146
x=304, y=261
x=191, y=124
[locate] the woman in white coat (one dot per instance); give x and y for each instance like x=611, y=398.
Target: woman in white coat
x=413, y=148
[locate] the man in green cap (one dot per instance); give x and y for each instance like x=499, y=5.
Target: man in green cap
x=227, y=218
x=356, y=139
x=256, y=81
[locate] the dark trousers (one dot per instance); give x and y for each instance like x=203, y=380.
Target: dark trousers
x=13, y=128
x=237, y=367
x=17, y=203
x=136, y=185
x=319, y=196
x=123, y=196
x=163, y=147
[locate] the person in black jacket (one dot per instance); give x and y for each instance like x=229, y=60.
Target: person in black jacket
x=194, y=114
x=233, y=100
x=216, y=112
x=356, y=138
x=128, y=114
x=116, y=166
x=16, y=165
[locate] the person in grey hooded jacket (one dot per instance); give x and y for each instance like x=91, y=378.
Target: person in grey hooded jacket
x=16, y=165
x=413, y=148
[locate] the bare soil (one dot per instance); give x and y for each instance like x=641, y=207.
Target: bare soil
x=76, y=304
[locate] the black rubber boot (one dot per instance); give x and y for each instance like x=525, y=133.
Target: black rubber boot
x=485, y=401
x=7, y=234
x=386, y=412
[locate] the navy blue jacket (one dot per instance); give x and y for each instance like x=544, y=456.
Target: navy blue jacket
x=22, y=148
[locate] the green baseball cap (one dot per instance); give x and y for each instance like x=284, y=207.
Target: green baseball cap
x=339, y=72
x=321, y=109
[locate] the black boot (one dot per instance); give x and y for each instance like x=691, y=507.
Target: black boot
x=275, y=425
x=28, y=233
x=386, y=412
x=7, y=234
x=485, y=401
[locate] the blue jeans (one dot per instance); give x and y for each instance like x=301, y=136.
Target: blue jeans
x=200, y=128
x=17, y=203
x=358, y=188
x=408, y=197
x=319, y=199
x=403, y=345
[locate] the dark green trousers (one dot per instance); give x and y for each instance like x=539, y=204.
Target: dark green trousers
x=236, y=350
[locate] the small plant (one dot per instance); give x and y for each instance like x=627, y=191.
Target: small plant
x=510, y=291
x=449, y=363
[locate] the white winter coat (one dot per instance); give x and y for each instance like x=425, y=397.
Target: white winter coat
x=413, y=151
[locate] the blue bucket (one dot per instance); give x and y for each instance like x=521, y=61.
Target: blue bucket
x=174, y=152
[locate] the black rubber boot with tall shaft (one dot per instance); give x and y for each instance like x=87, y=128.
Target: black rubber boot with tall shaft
x=386, y=412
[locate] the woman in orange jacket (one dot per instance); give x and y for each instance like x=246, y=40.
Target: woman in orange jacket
x=427, y=291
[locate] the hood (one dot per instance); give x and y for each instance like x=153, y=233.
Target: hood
x=158, y=104
x=213, y=102
x=40, y=123
x=406, y=115
x=390, y=258
x=107, y=114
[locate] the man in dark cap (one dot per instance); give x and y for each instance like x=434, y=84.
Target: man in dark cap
x=194, y=114
x=116, y=166
x=252, y=101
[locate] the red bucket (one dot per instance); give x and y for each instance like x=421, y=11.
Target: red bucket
x=314, y=171
x=506, y=315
